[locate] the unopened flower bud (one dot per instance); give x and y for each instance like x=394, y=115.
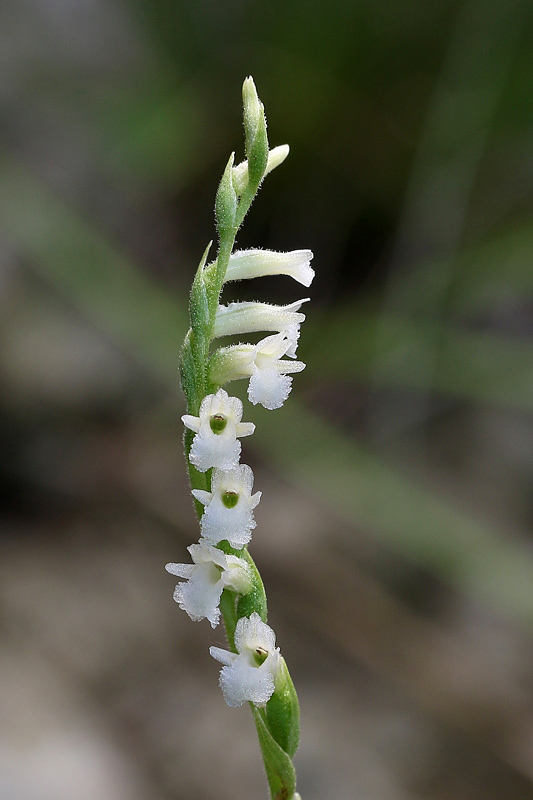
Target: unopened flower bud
x=256, y=140
x=226, y=200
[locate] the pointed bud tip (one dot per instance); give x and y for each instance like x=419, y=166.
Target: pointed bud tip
x=249, y=92
x=248, y=84
x=253, y=109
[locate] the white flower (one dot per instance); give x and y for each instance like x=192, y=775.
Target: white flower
x=251, y=317
x=249, y=674
x=269, y=380
x=256, y=263
x=229, y=506
x=217, y=429
x=211, y=572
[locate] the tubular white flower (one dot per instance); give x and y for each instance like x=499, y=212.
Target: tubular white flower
x=249, y=674
x=251, y=317
x=217, y=428
x=269, y=375
x=256, y=263
x=211, y=572
x=276, y=156
x=229, y=506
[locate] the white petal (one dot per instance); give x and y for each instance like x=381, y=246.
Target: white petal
x=245, y=429
x=293, y=334
x=202, y=496
x=180, y=570
x=268, y=388
x=233, y=524
x=224, y=656
x=200, y=595
x=271, y=348
x=214, y=451
x=240, y=480
x=251, y=632
x=221, y=403
x=254, y=499
x=249, y=317
x=284, y=366
x=209, y=553
x=241, y=683
x=193, y=423
x=237, y=575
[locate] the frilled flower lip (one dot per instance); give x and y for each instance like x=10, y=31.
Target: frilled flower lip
x=217, y=446
x=205, y=579
x=270, y=384
x=249, y=675
x=219, y=521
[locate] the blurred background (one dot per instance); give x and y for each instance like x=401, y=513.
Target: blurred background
x=394, y=534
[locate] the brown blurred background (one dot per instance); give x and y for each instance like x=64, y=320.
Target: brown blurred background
x=394, y=533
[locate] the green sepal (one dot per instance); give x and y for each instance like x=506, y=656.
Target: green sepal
x=278, y=765
x=283, y=711
x=226, y=202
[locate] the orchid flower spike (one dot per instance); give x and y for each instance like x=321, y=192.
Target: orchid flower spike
x=237, y=318
x=256, y=263
x=229, y=506
x=211, y=572
x=217, y=430
x=216, y=584
x=249, y=674
x=269, y=384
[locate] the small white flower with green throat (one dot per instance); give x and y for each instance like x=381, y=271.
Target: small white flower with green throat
x=217, y=430
x=249, y=674
x=229, y=506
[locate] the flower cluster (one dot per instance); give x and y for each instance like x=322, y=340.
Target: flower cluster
x=249, y=674
x=222, y=579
